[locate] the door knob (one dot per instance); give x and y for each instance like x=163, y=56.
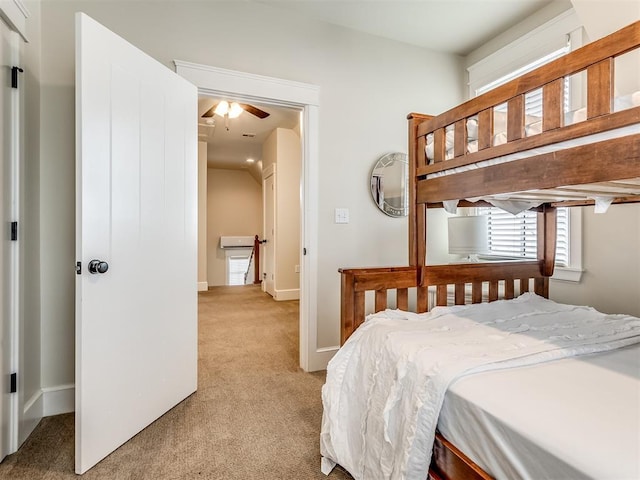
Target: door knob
x=98, y=266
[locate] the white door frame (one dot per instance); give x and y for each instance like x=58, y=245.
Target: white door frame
x=250, y=87
x=14, y=15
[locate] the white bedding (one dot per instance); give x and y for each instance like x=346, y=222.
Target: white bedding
x=576, y=418
x=386, y=385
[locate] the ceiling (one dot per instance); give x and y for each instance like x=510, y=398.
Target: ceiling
x=231, y=148
x=424, y=23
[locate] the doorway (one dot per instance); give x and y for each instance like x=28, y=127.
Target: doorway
x=240, y=152
x=222, y=82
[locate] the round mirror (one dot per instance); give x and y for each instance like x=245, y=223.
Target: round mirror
x=389, y=179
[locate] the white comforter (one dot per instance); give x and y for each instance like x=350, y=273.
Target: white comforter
x=386, y=385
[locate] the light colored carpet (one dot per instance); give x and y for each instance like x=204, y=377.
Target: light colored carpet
x=255, y=414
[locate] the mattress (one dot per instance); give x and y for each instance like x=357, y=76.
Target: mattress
x=387, y=383
x=570, y=419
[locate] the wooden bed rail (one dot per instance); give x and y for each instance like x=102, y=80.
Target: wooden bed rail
x=469, y=282
x=621, y=158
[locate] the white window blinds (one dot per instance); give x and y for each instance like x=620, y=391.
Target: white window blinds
x=514, y=236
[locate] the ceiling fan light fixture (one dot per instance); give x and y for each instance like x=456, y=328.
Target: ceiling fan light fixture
x=235, y=110
x=222, y=108
x=250, y=160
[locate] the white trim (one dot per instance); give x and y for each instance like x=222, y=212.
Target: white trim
x=58, y=399
x=46, y=402
x=217, y=81
x=31, y=415
x=15, y=13
x=565, y=274
x=290, y=294
x=321, y=358
x=573, y=272
x=248, y=85
x=203, y=286
x=535, y=44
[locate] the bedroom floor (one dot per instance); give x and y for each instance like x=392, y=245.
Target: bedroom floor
x=255, y=414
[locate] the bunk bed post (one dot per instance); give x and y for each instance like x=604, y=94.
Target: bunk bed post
x=414, y=157
x=417, y=211
x=546, y=229
x=347, y=296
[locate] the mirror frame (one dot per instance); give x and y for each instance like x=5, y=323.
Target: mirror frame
x=376, y=186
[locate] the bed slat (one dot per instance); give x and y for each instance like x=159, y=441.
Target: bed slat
x=476, y=292
x=552, y=105
x=460, y=138
x=493, y=290
x=439, y=145
x=441, y=295
x=422, y=301
x=485, y=128
x=509, y=290
x=459, y=293
x=402, y=299
x=524, y=285
x=515, y=118
x=599, y=88
x=381, y=300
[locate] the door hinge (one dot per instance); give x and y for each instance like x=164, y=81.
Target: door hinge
x=14, y=76
x=78, y=268
x=14, y=231
x=304, y=251
x=13, y=388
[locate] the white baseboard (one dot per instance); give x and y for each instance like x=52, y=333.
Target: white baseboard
x=59, y=399
x=292, y=294
x=203, y=286
x=31, y=416
x=320, y=359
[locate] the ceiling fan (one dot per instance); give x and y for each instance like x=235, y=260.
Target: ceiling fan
x=232, y=110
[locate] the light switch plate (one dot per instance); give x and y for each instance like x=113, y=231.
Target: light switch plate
x=342, y=215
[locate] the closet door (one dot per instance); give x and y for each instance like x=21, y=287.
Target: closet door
x=269, y=189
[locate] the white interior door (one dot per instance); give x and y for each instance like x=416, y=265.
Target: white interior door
x=268, y=186
x=136, y=323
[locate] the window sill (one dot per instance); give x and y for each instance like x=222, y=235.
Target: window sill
x=565, y=274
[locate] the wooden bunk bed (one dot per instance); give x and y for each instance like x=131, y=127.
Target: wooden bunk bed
x=587, y=166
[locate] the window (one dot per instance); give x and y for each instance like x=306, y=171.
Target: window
x=514, y=236
x=236, y=268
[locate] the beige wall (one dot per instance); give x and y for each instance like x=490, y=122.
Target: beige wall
x=283, y=148
x=611, y=260
x=31, y=341
x=202, y=215
x=234, y=207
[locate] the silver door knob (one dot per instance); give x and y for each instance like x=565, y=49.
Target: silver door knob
x=98, y=266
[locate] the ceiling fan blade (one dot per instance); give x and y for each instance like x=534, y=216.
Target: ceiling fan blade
x=209, y=113
x=254, y=110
